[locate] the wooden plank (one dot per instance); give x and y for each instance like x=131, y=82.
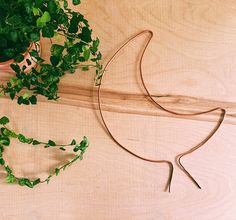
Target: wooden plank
x=192, y=56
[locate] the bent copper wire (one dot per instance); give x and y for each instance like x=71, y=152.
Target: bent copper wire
x=159, y=106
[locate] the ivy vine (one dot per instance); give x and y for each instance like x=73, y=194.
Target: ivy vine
x=5, y=139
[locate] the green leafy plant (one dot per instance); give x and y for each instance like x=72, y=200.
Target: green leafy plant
x=25, y=22
x=5, y=139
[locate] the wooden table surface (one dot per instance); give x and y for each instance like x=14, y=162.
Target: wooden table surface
x=193, y=56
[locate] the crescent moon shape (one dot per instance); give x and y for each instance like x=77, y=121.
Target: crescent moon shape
x=159, y=106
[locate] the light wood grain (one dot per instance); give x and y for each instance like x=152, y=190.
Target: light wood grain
x=192, y=56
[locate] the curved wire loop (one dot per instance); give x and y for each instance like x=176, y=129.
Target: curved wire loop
x=159, y=106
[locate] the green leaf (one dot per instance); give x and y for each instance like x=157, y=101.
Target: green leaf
x=21, y=182
x=57, y=171
x=76, y=2
x=54, y=60
x=86, y=35
x=86, y=54
x=33, y=100
x=73, y=142
x=1, y=148
x=29, y=183
x=52, y=7
x=26, y=95
x=56, y=50
x=14, y=36
x=25, y=182
x=4, y=120
x=73, y=28
x=3, y=42
x=35, y=142
x=84, y=144
x=36, y=11
x=65, y=4
x=29, y=140
x=35, y=36
x=85, y=68
x=45, y=17
x=5, y=131
x=22, y=138
x=51, y=143
x=2, y=161
x=28, y=62
x=13, y=134
x=48, y=31
x=12, y=95
x=15, y=67
x=37, y=181
x=4, y=140
x=20, y=100
x=95, y=45
x=10, y=178
x=76, y=148
x=41, y=21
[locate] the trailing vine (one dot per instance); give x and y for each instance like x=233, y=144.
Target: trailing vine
x=5, y=139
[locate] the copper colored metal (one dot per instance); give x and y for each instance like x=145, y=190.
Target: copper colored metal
x=159, y=106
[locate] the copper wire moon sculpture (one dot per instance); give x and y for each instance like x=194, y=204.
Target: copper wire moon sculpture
x=178, y=158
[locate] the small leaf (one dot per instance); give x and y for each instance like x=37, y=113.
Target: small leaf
x=2, y=161
x=10, y=178
x=51, y=143
x=54, y=60
x=45, y=17
x=35, y=36
x=85, y=68
x=65, y=4
x=19, y=58
x=73, y=142
x=28, y=62
x=57, y=171
x=36, y=11
x=29, y=140
x=48, y=31
x=86, y=35
x=14, y=36
x=26, y=95
x=22, y=138
x=48, y=180
x=4, y=120
x=86, y=54
x=76, y=2
x=33, y=100
x=76, y=148
x=37, y=181
x=29, y=183
x=21, y=182
x=81, y=156
x=5, y=141
x=12, y=95
x=5, y=131
x=57, y=50
x=35, y=142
